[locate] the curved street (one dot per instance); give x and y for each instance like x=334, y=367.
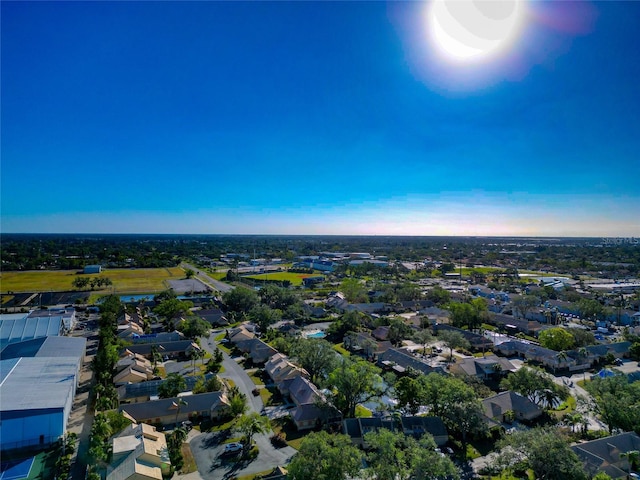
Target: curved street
x=207, y=447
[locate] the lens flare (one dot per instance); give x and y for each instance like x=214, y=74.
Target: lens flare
x=473, y=30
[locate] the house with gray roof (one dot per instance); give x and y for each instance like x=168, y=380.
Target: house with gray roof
x=483, y=368
x=179, y=349
x=415, y=426
x=545, y=356
x=604, y=454
x=496, y=408
x=167, y=411
x=311, y=407
x=400, y=360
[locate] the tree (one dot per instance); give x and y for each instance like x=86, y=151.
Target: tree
x=354, y=382
x=632, y=457
x=172, y=307
x=237, y=402
x=410, y=394
x=325, y=457
x=349, y=322
x=251, y=424
x=467, y=419
x=556, y=338
x=81, y=283
x=354, y=291
x=524, y=304
x=590, y=309
x=189, y=273
x=174, y=446
x=316, y=356
x=194, y=327
x=240, y=300
x=451, y=340
x=439, y=295
x=423, y=337
x=616, y=401
x=535, y=384
x=172, y=386
x=179, y=403
x=544, y=451
x=276, y=297
x=582, y=337
x=395, y=456
x=398, y=331
x=264, y=316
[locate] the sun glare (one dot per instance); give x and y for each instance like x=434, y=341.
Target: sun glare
x=472, y=30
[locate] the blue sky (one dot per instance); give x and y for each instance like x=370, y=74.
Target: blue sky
x=316, y=118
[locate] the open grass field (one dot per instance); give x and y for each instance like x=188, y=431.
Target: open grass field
x=125, y=280
x=294, y=278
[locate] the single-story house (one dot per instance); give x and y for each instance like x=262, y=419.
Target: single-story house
x=144, y=391
x=416, y=426
x=482, y=367
x=367, y=345
x=496, y=408
x=259, y=351
x=214, y=316
x=511, y=323
x=547, y=357
x=167, y=411
x=477, y=341
x=179, y=349
x=400, y=360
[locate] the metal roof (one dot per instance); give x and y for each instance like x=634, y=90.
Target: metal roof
x=26, y=328
x=46, y=347
x=37, y=383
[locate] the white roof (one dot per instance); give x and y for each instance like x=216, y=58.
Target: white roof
x=37, y=383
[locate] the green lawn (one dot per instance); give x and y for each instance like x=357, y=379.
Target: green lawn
x=294, y=278
x=362, y=411
x=340, y=349
x=125, y=280
x=255, y=377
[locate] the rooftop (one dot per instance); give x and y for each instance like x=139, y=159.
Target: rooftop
x=24, y=381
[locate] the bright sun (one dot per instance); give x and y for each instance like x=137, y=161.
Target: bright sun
x=471, y=30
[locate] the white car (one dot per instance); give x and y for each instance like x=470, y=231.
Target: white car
x=233, y=447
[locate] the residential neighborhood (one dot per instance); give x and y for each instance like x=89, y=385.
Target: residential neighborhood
x=242, y=381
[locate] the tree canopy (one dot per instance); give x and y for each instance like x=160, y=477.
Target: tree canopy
x=354, y=382
x=395, y=456
x=557, y=339
x=325, y=457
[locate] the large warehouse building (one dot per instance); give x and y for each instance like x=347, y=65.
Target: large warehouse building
x=38, y=381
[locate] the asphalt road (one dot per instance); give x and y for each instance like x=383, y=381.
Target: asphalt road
x=207, y=280
x=207, y=447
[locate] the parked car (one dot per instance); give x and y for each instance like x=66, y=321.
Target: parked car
x=233, y=447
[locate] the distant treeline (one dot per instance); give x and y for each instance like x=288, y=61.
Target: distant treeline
x=593, y=256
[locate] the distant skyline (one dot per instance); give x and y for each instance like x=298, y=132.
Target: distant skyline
x=316, y=118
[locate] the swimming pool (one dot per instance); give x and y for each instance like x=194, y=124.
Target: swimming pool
x=319, y=334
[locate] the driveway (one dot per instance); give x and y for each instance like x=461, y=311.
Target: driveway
x=207, y=449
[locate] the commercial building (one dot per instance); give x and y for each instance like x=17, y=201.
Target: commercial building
x=38, y=381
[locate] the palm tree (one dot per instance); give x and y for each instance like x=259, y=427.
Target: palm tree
x=560, y=357
x=251, y=424
x=583, y=353
x=179, y=403
x=632, y=457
